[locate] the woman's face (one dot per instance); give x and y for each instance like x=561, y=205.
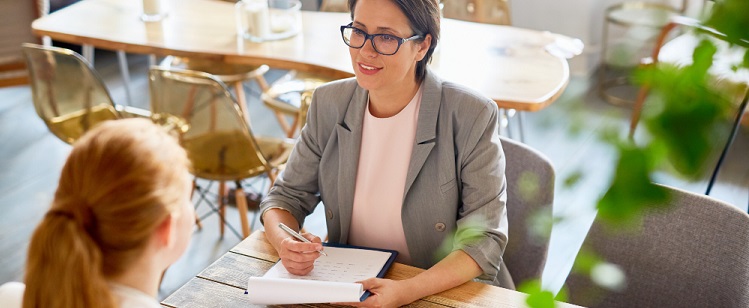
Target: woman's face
x=376, y=72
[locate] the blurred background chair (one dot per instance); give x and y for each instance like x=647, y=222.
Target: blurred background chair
x=290, y=95
x=678, y=51
x=68, y=94
x=230, y=74
x=484, y=11
x=15, y=21
x=530, y=197
x=691, y=251
x=219, y=142
x=629, y=32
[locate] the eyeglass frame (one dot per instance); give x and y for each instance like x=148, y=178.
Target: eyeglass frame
x=371, y=37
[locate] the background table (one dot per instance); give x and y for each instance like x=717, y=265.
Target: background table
x=508, y=64
x=223, y=283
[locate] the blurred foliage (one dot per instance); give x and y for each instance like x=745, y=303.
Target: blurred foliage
x=528, y=185
x=466, y=233
x=537, y=297
x=572, y=179
x=632, y=189
x=686, y=120
x=731, y=17
x=687, y=111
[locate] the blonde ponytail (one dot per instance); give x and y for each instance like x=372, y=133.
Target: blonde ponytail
x=121, y=180
x=71, y=264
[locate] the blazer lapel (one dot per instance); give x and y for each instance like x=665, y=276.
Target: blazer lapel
x=426, y=128
x=349, y=139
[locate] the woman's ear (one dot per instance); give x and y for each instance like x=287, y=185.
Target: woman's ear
x=166, y=231
x=423, y=47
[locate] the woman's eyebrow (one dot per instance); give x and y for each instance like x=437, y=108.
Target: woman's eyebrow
x=379, y=29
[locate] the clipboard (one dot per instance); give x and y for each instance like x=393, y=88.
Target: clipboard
x=383, y=271
x=332, y=280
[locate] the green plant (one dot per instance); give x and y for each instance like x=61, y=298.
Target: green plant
x=685, y=120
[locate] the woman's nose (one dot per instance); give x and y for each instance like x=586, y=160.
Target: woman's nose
x=368, y=49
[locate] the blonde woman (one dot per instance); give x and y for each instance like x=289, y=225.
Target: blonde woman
x=121, y=215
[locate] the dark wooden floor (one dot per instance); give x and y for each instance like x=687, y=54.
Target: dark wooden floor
x=31, y=158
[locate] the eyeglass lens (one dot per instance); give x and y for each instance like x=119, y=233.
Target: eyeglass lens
x=384, y=44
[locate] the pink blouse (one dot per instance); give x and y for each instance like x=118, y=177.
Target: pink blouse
x=384, y=157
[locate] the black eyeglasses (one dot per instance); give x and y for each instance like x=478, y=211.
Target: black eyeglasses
x=384, y=44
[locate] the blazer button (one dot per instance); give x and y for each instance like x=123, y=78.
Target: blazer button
x=439, y=226
x=329, y=213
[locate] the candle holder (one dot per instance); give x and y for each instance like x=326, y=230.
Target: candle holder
x=153, y=10
x=261, y=20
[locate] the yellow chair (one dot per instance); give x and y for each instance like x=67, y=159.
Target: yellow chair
x=68, y=94
x=230, y=74
x=219, y=142
x=291, y=95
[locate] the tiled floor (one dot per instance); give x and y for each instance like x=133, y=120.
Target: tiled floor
x=567, y=132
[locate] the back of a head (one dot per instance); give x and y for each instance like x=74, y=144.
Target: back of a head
x=121, y=180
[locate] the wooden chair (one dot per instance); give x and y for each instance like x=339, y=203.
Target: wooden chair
x=530, y=197
x=68, y=94
x=219, y=142
x=15, y=20
x=691, y=251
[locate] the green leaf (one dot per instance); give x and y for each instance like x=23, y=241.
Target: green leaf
x=537, y=298
x=573, y=179
x=631, y=190
x=731, y=17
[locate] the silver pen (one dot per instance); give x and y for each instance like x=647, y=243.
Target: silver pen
x=297, y=236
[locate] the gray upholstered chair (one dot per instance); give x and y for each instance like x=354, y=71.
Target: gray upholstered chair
x=693, y=253
x=530, y=195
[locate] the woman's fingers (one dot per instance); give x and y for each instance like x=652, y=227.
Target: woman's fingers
x=298, y=257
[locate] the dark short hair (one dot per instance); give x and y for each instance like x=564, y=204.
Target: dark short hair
x=424, y=17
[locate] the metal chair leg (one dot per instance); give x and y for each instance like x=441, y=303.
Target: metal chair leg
x=125, y=71
x=521, y=115
x=731, y=138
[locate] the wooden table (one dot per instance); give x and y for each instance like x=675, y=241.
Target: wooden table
x=508, y=64
x=223, y=283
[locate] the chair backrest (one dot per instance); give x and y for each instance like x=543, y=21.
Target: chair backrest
x=218, y=140
x=68, y=94
x=530, y=196
x=692, y=253
x=484, y=11
x=334, y=6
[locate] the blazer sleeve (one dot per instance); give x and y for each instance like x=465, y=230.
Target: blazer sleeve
x=296, y=190
x=482, y=217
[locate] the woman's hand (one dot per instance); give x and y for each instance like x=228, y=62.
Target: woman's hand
x=298, y=257
x=385, y=293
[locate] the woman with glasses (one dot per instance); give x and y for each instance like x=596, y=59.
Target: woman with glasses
x=400, y=159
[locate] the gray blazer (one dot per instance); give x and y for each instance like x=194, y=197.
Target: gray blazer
x=455, y=180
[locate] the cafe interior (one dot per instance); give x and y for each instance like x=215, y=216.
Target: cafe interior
x=602, y=106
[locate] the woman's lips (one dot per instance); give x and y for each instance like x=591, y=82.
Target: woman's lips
x=368, y=69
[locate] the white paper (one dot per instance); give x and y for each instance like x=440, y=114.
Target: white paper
x=332, y=280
